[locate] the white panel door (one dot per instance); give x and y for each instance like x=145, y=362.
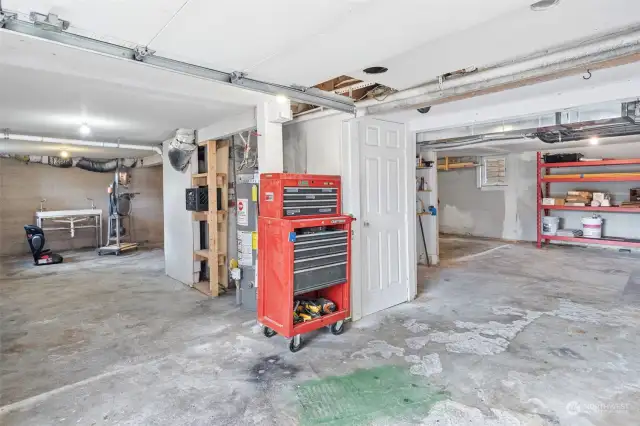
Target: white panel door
x=383, y=196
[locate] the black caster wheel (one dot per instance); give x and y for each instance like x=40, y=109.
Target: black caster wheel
x=337, y=328
x=295, y=344
x=268, y=332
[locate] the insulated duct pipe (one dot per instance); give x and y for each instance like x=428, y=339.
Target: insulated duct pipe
x=78, y=142
x=542, y=66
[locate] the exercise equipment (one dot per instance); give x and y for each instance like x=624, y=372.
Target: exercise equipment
x=36, y=240
x=119, y=209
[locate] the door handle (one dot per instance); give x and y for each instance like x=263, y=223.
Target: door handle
x=365, y=224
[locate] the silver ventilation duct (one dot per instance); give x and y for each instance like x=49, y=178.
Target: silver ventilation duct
x=565, y=126
x=88, y=164
x=181, y=148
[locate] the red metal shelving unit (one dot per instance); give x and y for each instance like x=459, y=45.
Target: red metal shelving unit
x=543, y=184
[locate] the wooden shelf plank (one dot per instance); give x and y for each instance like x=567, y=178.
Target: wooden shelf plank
x=619, y=162
x=594, y=209
x=609, y=177
x=203, y=216
x=604, y=241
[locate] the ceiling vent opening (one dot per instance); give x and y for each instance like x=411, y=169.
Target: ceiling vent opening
x=544, y=5
x=375, y=70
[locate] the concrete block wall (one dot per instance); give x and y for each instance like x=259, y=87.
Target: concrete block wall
x=22, y=186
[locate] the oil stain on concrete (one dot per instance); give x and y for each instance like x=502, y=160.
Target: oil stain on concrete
x=387, y=392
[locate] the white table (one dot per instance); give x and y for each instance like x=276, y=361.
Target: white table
x=72, y=218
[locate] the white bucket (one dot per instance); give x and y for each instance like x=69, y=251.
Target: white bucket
x=592, y=227
x=550, y=225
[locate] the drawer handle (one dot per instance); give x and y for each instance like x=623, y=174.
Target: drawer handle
x=320, y=241
x=319, y=234
x=320, y=247
x=320, y=267
x=320, y=257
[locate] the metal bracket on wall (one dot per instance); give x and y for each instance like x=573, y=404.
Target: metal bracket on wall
x=49, y=22
x=6, y=17
x=141, y=52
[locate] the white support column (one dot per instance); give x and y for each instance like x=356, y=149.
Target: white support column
x=270, y=116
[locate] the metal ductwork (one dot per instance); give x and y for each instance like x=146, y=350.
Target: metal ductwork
x=99, y=166
x=565, y=126
x=78, y=142
x=181, y=148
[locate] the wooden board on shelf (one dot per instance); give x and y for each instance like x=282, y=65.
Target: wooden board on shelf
x=222, y=170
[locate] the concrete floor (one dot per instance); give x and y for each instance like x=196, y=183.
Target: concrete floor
x=515, y=336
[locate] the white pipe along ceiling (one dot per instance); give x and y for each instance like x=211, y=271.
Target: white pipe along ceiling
x=79, y=142
x=542, y=66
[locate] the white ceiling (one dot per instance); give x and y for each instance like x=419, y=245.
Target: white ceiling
x=52, y=89
x=285, y=41
x=309, y=41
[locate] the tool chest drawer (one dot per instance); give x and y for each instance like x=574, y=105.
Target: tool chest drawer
x=306, y=280
x=292, y=196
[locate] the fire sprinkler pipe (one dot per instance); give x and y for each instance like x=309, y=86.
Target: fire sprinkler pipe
x=546, y=65
x=79, y=142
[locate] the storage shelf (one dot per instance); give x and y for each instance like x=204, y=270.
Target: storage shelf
x=621, y=162
x=604, y=241
x=594, y=209
x=204, y=255
x=203, y=216
x=586, y=178
x=543, y=189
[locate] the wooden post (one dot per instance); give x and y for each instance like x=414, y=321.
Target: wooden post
x=212, y=217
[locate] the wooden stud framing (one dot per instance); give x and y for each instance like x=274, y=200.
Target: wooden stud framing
x=217, y=154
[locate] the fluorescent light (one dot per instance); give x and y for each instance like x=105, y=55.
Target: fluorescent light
x=281, y=99
x=84, y=130
x=64, y=154
x=594, y=140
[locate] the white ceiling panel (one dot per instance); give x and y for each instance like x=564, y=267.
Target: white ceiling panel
x=516, y=34
x=380, y=30
x=52, y=89
x=309, y=41
x=132, y=21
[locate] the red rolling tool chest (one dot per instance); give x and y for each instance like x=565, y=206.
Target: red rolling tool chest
x=304, y=254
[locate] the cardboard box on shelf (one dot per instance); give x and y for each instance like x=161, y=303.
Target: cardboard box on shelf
x=583, y=194
x=553, y=201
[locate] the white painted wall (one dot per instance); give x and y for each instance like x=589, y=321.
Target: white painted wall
x=314, y=146
x=178, y=224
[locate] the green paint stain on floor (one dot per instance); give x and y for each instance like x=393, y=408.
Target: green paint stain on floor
x=388, y=392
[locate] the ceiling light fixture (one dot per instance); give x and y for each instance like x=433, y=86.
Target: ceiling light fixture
x=544, y=5
x=594, y=140
x=375, y=70
x=64, y=154
x=84, y=130
x=281, y=99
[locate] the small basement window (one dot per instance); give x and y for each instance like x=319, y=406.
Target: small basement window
x=493, y=172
